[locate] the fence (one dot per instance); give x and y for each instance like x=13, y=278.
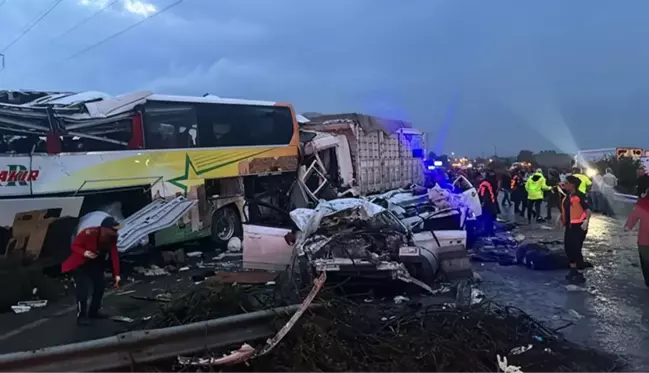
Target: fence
x=137, y=347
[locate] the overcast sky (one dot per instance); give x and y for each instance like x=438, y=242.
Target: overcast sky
x=475, y=74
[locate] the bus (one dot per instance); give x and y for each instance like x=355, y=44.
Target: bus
x=87, y=152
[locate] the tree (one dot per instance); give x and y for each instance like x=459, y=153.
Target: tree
x=624, y=169
x=432, y=155
x=526, y=156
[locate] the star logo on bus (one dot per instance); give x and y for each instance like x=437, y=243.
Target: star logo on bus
x=192, y=175
x=189, y=179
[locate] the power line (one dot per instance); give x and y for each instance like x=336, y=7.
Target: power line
x=2, y=2
x=84, y=21
x=32, y=25
x=123, y=31
x=103, y=41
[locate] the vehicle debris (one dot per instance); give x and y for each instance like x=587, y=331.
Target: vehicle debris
x=445, y=340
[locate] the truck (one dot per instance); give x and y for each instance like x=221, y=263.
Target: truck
x=362, y=154
x=171, y=168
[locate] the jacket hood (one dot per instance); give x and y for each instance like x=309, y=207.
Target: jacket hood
x=536, y=177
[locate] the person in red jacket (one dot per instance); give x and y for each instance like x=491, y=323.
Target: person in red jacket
x=640, y=213
x=86, y=263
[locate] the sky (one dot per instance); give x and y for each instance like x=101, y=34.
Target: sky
x=477, y=76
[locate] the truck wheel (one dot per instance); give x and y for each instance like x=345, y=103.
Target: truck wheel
x=225, y=225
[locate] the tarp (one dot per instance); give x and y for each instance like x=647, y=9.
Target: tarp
x=368, y=123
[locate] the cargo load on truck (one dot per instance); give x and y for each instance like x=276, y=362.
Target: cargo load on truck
x=363, y=153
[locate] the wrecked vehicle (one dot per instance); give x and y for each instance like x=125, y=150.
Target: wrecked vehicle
x=355, y=154
x=359, y=238
x=170, y=168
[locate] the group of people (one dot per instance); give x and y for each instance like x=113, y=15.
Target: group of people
x=574, y=195
x=526, y=192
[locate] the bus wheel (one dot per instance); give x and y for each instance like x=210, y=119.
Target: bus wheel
x=225, y=225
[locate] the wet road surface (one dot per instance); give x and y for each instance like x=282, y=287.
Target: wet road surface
x=56, y=323
x=611, y=312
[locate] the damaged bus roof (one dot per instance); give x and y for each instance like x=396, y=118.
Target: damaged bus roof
x=28, y=112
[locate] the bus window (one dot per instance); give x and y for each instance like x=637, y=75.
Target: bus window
x=169, y=126
x=244, y=125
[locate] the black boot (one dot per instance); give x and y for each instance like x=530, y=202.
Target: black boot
x=571, y=274
x=578, y=279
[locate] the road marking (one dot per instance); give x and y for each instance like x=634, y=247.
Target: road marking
x=62, y=312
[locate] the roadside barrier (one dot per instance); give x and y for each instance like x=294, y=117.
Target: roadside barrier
x=142, y=346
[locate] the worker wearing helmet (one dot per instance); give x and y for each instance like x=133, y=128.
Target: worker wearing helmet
x=535, y=186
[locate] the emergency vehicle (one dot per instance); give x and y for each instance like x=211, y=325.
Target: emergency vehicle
x=181, y=167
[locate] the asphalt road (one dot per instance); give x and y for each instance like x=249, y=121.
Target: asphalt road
x=611, y=312
x=56, y=324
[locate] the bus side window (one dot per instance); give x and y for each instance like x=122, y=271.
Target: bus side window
x=169, y=126
x=243, y=125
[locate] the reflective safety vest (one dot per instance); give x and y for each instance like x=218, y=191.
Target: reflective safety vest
x=535, y=188
x=585, y=182
x=577, y=213
x=484, y=187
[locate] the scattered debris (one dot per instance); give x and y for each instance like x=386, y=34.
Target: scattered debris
x=33, y=303
x=122, y=319
x=154, y=270
x=575, y=314
x=350, y=336
x=234, y=245
x=194, y=254
x=400, y=299
x=520, y=349
x=21, y=309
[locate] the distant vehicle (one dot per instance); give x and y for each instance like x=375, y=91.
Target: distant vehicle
x=520, y=165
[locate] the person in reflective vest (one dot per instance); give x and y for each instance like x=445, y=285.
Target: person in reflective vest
x=585, y=180
x=575, y=217
x=489, y=205
x=535, y=186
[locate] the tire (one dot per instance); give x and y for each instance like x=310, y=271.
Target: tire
x=226, y=224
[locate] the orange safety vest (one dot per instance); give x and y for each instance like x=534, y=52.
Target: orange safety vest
x=486, y=186
x=577, y=213
x=514, y=182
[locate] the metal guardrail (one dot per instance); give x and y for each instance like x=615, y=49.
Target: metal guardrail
x=142, y=346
